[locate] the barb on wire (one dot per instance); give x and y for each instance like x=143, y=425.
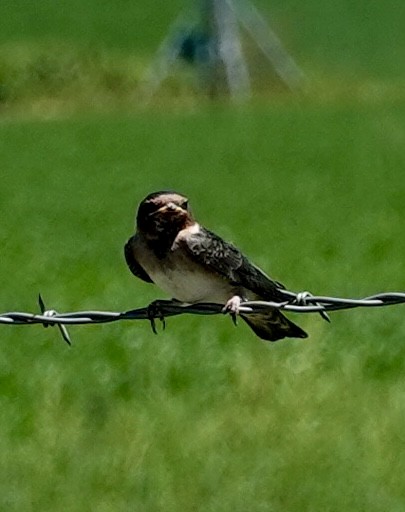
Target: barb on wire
x=303, y=302
x=51, y=313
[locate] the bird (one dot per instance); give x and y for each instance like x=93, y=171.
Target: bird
x=193, y=264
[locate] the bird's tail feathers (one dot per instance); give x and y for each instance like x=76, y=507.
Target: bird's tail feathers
x=273, y=326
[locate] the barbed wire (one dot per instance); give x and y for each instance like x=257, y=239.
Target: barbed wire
x=303, y=302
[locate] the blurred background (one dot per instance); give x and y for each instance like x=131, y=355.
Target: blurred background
x=307, y=181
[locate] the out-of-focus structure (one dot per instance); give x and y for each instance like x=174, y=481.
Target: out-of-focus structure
x=208, y=37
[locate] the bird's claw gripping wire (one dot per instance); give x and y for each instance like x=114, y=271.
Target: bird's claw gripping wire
x=232, y=308
x=155, y=311
x=50, y=313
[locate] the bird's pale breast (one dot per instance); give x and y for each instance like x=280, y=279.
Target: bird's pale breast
x=187, y=281
x=181, y=277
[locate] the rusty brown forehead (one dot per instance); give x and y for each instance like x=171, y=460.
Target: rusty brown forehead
x=168, y=198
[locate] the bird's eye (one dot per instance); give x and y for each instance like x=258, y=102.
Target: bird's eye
x=184, y=205
x=149, y=209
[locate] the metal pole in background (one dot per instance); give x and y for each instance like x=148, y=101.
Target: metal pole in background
x=213, y=45
x=225, y=67
x=230, y=50
x=270, y=44
x=165, y=58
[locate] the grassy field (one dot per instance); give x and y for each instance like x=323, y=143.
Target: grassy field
x=204, y=416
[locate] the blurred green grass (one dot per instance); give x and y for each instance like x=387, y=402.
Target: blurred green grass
x=204, y=416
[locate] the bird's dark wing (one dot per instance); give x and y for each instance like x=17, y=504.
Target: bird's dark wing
x=225, y=259
x=132, y=263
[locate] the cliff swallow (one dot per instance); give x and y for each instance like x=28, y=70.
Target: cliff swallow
x=193, y=265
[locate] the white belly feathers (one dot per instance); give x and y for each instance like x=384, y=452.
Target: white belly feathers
x=191, y=285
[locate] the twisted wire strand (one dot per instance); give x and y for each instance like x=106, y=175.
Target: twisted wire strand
x=303, y=302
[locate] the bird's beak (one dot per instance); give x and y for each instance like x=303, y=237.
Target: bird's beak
x=171, y=207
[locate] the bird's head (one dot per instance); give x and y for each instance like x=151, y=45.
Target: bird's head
x=161, y=213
